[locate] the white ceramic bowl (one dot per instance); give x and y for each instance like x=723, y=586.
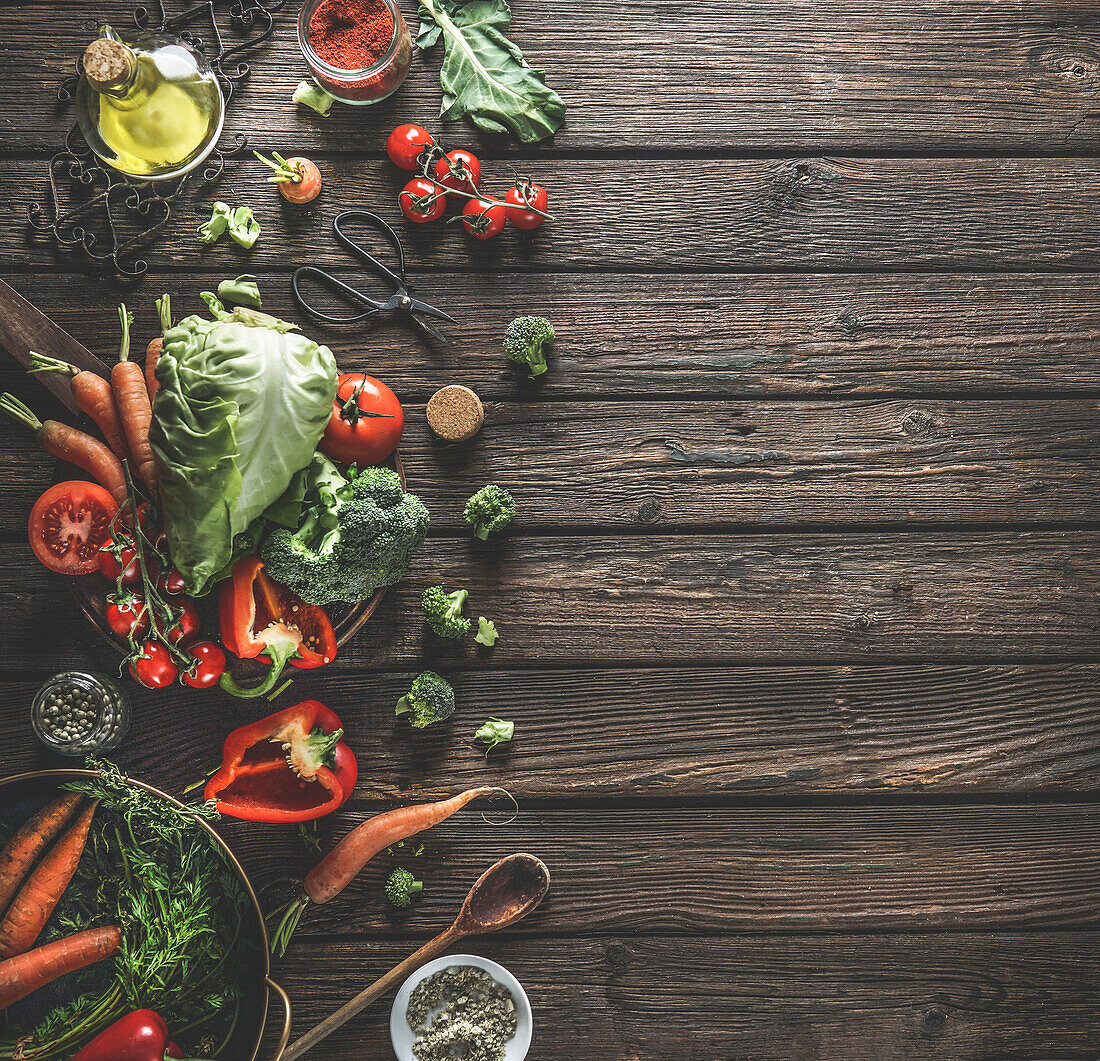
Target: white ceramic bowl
x=401, y=1035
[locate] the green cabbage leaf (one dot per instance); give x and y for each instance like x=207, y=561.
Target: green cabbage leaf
x=241, y=407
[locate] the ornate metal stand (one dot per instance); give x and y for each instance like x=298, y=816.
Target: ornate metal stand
x=106, y=216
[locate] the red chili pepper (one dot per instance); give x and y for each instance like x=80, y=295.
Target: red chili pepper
x=262, y=620
x=289, y=767
x=139, y=1036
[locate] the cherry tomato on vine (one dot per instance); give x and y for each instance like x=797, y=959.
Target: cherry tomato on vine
x=171, y=583
x=526, y=194
x=366, y=421
x=459, y=170
x=405, y=145
x=422, y=200
x=127, y=616
x=127, y=566
x=308, y=185
x=209, y=665
x=154, y=668
x=484, y=218
x=68, y=524
x=186, y=626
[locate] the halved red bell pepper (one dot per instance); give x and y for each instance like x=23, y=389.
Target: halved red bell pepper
x=292, y=766
x=262, y=620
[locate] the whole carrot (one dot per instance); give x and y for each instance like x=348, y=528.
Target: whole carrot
x=134, y=408
x=31, y=908
x=25, y=973
x=33, y=837
x=156, y=346
x=342, y=864
x=93, y=396
x=69, y=444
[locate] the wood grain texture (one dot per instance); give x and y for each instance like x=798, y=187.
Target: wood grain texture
x=765, y=998
x=797, y=214
x=627, y=337
x=739, y=869
x=710, y=734
x=944, y=76
x=644, y=466
x=704, y=599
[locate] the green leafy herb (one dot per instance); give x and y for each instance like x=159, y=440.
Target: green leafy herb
x=486, y=632
x=310, y=94
x=495, y=731
x=484, y=75
x=150, y=868
x=243, y=290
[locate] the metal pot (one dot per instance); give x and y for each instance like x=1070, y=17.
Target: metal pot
x=248, y=1037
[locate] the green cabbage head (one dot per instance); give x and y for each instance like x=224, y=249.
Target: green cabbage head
x=241, y=407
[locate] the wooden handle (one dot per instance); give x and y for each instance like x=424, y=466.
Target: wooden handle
x=432, y=949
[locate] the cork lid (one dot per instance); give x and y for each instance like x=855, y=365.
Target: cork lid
x=108, y=63
x=455, y=413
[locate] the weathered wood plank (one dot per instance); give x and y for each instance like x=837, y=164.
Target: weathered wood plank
x=838, y=214
x=722, y=336
x=744, y=869
x=663, y=733
x=703, y=464
x=918, y=997
x=706, y=599
x=943, y=76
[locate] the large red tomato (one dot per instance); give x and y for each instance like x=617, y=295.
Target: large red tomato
x=366, y=422
x=68, y=524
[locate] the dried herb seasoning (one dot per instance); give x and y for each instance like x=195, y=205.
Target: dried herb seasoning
x=461, y=1012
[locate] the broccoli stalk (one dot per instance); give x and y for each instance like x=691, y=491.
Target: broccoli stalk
x=489, y=510
x=443, y=611
x=486, y=632
x=524, y=342
x=429, y=699
x=401, y=887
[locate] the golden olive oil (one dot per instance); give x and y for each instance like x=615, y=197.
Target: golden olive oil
x=150, y=107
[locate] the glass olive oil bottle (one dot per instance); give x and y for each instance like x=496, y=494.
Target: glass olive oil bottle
x=150, y=107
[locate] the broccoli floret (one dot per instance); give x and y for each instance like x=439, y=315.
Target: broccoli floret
x=486, y=632
x=490, y=510
x=524, y=341
x=430, y=699
x=443, y=611
x=401, y=887
x=355, y=536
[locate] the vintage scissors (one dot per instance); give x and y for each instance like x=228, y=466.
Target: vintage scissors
x=401, y=301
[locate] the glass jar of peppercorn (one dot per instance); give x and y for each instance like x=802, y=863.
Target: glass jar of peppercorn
x=78, y=713
x=359, y=51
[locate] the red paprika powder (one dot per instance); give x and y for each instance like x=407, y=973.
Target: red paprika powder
x=340, y=38
x=351, y=34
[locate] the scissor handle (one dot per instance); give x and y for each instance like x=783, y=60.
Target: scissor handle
x=398, y=278
x=334, y=284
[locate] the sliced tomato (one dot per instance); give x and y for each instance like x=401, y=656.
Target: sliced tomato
x=68, y=524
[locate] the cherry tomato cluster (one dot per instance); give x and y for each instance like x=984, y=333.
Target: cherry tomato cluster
x=148, y=608
x=445, y=175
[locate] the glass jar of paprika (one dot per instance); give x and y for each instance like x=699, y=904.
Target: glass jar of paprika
x=359, y=51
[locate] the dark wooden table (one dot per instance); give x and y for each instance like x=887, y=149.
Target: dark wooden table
x=799, y=618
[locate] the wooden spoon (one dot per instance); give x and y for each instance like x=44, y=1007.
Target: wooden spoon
x=501, y=896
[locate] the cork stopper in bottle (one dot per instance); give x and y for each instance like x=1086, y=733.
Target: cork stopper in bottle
x=455, y=413
x=108, y=64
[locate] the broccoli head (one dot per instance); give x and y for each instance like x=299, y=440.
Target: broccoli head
x=430, y=699
x=524, y=341
x=355, y=535
x=443, y=611
x=401, y=887
x=491, y=509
